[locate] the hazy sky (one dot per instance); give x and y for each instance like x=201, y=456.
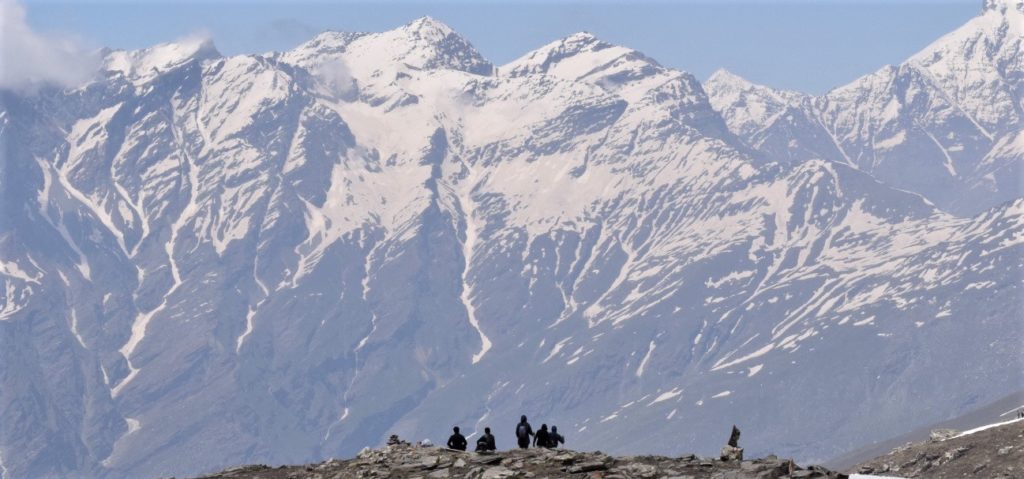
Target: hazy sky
x=803, y=45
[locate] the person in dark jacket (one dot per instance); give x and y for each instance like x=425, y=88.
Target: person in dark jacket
x=457, y=441
x=554, y=438
x=542, y=437
x=486, y=442
x=523, y=433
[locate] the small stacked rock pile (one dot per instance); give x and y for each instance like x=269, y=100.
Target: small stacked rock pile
x=405, y=461
x=732, y=451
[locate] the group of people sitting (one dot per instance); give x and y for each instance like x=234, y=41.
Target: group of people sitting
x=542, y=438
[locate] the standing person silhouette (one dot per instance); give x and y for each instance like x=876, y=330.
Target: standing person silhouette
x=457, y=441
x=523, y=433
x=554, y=439
x=542, y=437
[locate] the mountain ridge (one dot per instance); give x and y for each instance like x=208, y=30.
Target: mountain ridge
x=936, y=114
x=289, y=256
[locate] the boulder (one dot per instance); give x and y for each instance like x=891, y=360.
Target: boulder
x=730, y=453
x=942, y=434
x=498, y=472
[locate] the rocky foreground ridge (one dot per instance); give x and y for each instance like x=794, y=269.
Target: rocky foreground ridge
x=993, y=452
x=411, y=461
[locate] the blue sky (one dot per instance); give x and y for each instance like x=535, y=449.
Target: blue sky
x=802, y=45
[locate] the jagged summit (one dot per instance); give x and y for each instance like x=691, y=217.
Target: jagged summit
x=723, y=75
x=582, y=36
x=329, y=42
x=583, y=57
x=942, y=123
x=422, y=44
x=750, y=106
x=144, y=64
x=576, y=56
x=427, y=26
x=978, y=65
x=583, y=40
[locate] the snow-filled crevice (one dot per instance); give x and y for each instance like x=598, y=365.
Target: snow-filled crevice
x=44, y=208
x=469, y=243
x=643, y=362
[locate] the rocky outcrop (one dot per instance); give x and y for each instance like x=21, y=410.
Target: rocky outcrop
x=996, y=452
x=402, y=460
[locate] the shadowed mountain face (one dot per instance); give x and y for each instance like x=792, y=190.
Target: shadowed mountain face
x=211, y=261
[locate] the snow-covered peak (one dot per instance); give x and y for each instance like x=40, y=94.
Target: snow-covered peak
x=724, y=78
x=571, y=58
x=330, y=42
x=723, y=81
x=746, y=106
x=428, y=28
x=423, y=44
x=978, y=65
x=142, y=65
x=582, y=57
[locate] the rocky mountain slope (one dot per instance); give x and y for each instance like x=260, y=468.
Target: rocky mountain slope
x=282, y=258
x=405, y=461
x=946, y=124
x=996, y=451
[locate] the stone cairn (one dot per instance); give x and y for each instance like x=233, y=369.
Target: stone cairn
x=732, y=451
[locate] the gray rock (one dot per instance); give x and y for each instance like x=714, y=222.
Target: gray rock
x=498, y=472
x=440, y=473
x=942, y=434
x=588, y=467
x=730, y=453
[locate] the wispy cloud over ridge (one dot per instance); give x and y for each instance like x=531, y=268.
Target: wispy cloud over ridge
x=29, y=59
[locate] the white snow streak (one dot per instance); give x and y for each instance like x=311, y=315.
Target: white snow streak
x=466, y=204
x=248, y=327
x=366, y=301
x=44, y=206
x=555, y=349
x=344, y=414
x=643, y=362
x=665, y=396
x=986, y=427
x=756, y=354
x=74, y=329
x=249, y=316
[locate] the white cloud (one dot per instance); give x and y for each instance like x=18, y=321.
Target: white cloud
x=29, y=59
x=336, y=75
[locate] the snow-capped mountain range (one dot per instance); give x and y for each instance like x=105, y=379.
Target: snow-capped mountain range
x=946, y=124
x=213, y=260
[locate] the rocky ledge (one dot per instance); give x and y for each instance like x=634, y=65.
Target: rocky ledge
x=411, y=461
